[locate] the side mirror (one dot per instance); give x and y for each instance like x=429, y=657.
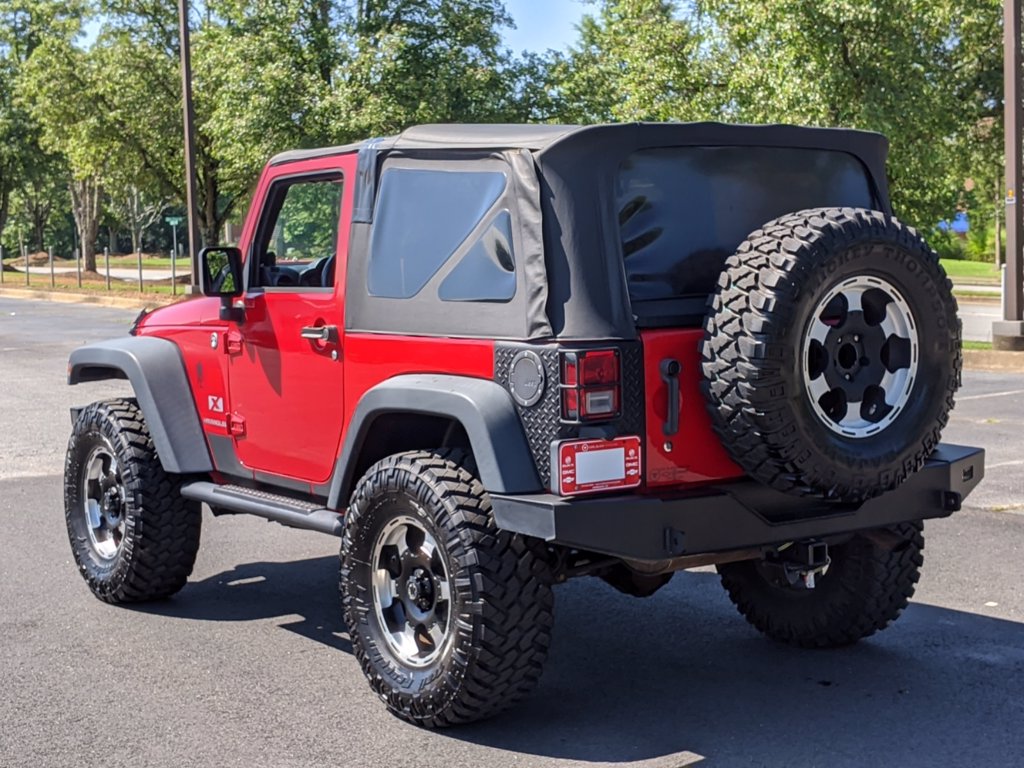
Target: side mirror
x=220, y=274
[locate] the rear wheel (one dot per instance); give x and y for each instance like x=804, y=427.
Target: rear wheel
x=869, y=582
x=133, y=536
x=450, y=618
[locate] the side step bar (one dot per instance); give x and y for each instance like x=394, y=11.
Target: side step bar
x=294, y=513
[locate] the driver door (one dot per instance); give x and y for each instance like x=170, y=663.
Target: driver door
x=286, y=362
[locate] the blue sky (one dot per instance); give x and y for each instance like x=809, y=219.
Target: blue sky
x=543, y=24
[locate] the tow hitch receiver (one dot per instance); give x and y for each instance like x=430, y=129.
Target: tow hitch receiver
x=800, y=563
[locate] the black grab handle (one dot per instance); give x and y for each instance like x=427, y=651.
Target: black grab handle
x=670, y=369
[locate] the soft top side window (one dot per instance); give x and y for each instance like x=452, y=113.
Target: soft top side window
x=424, y=218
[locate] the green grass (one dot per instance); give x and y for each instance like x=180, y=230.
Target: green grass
x=980, y=271
x=183, y=265
x=986, y=345
x=960, y=293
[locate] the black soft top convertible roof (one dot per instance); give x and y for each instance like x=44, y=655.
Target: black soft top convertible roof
x=577, y=284
x=867, y=146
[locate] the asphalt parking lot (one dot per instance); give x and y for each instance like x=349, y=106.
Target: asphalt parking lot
x=250, y=664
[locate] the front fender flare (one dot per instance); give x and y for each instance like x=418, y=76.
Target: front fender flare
x=483, y=408
x=157, y=374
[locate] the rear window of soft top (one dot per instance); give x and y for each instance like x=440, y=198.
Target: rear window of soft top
x=683, y=210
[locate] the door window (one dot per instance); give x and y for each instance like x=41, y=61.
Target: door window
x=297, y=242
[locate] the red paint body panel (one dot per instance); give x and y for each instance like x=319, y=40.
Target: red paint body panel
x=190, y=324
x=372, y=358
x=198, y=310
x=206, y=368
x=697, y=455
x=288, y=390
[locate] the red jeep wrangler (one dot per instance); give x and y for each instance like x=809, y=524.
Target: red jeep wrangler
x=492, y=358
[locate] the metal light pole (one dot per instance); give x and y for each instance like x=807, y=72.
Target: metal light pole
x=174, y=241
x=190, y=158
x=1008, y=333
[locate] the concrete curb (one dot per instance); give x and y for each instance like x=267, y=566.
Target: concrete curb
x=103, y=300
x=993, y=360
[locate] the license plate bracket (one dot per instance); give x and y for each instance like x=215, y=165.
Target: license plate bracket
x=592, y=466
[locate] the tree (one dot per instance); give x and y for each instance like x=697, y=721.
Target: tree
x=63, y=81
x=24, y=24
x=140, y=97
x=635, y=60
x=134, y=208
x=265, y=71
x=902, y=67
x=42, y=191
x=12, y=141
x=421, y=61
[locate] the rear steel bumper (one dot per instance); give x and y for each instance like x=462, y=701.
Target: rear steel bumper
x=736, y=515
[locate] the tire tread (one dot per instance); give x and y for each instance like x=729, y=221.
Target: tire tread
x=509, y=593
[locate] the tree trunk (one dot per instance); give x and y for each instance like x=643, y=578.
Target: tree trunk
x=5, y=204
x=135, y=217
x=209, y=227
x=40, y=215
x=85, y=202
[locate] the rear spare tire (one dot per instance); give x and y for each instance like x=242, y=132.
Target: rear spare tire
x=831, y=353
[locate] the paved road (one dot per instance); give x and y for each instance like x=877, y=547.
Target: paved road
x=250, y=666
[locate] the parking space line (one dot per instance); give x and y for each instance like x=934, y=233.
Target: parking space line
x=1015, y=463
x=991, y=394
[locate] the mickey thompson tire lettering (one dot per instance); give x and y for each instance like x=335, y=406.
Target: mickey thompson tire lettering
x=501, y=599
x=161, y=528
x=867, y=586
x=753, y=361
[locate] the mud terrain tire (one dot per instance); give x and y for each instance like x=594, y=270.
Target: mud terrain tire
x=867, y=586
x=449, y=617
x=831, y=353
x=133, y=536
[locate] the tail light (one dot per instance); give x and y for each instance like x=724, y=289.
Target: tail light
x=591, y=384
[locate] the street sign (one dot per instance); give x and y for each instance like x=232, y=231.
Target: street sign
x=173, y=220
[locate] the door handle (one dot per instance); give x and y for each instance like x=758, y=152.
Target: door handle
x=670, y=369
x=322, y=333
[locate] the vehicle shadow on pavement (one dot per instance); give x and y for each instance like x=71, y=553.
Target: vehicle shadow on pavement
x=681, y=673
x=267, y=590
x=634, y=680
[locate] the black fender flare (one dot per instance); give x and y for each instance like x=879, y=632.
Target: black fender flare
x=157, y=374
x=483, y=408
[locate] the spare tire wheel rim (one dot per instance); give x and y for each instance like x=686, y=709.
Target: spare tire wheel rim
x=860, y=356
x=412, y=591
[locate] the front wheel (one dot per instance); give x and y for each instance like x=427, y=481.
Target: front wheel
x=868, y=584
x=449, y=617
x=133, y=536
